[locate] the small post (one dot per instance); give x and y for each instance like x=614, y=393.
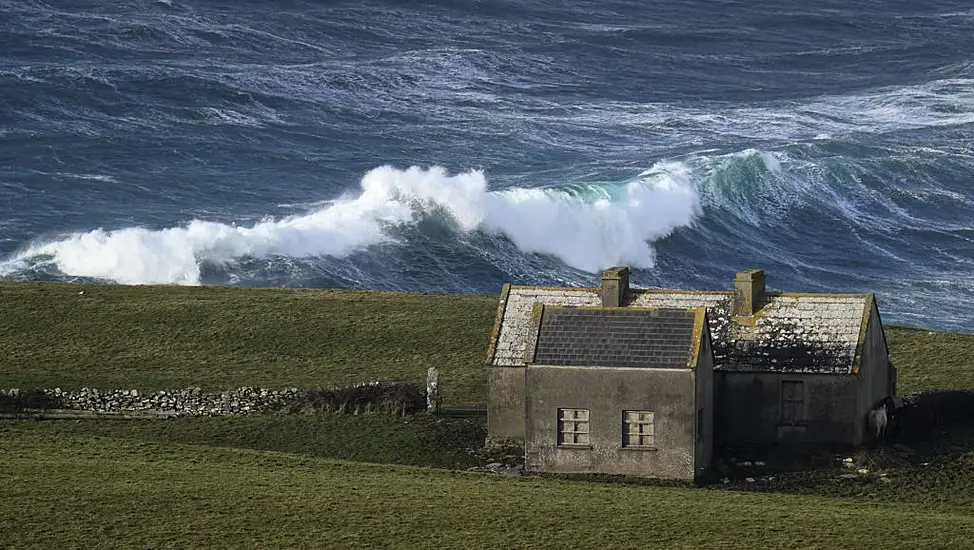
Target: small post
x=432, y=390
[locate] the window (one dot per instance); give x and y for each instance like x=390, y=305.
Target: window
x=792, y=402
x=638, y=430
x=573, y=427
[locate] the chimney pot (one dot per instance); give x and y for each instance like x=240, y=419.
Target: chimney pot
x=615, y=286
x=748, y=292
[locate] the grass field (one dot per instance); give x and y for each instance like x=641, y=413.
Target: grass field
x=66, y=490
x=296, y=481
x=164, y=337
x=167, y=337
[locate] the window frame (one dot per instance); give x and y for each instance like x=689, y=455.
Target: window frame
x=644, y=440
x=576, y=430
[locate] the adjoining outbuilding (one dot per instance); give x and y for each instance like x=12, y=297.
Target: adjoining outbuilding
x=794, y=367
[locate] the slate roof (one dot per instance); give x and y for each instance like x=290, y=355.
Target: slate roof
x=615, y=337
x=798, y=333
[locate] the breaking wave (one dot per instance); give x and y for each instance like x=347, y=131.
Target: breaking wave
x=586, y=227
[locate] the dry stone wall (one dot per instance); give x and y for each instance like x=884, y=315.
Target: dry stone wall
x=390, y=397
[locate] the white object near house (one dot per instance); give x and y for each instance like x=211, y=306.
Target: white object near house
x=432, y=389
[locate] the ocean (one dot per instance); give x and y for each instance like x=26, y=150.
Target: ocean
x=456, y=146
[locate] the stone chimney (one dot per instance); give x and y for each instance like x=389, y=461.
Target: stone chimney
x=615, y=286
x=748, y=292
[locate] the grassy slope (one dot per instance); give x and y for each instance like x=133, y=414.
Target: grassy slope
x=931, y=360
x=102, y=492
x=216, y=337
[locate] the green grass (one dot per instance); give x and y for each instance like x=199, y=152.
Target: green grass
x=931, y=360
x=283, y=481
x=161, y=337
x=71, y=490
x=417, y=440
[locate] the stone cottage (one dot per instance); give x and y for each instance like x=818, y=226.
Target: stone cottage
x=618, y=390
x=795, y=367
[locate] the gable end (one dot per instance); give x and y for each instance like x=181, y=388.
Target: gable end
x=498, y=322
x=870, y=303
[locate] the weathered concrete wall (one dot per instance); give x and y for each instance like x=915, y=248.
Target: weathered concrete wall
x=606, y=393
x=704, y=381
x=505, y=406
x=751, y=411
x=874, y=373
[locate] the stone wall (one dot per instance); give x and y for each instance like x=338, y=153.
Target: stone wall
x=386, y=397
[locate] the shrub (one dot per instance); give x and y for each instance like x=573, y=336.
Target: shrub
x=14, y=401
x=379, y=397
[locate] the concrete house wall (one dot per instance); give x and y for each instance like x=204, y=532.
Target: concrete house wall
x=705, y=405
x=505, y=406
x=607, y=392
x=877, y=378
x=751, y=408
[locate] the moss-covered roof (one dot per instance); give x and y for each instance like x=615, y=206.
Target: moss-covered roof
x=790, y=332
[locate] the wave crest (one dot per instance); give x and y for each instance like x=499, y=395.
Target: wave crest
x=587, y=228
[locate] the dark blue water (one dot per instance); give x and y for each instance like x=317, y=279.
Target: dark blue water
x=455, y=146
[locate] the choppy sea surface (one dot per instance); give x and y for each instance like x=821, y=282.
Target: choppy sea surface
x=455, y=146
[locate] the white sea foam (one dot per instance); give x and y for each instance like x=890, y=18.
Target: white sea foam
x=91, y=177
x=939, y=103
x=587, y=229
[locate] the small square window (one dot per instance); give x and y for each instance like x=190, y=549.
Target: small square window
x=573, y=427
x=638, y=429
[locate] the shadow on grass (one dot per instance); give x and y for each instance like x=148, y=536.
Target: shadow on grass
x=415, y=440
x=928, y=459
